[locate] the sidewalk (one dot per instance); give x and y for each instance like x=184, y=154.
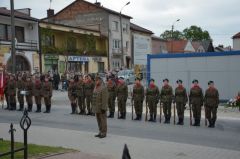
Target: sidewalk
x=112, y=146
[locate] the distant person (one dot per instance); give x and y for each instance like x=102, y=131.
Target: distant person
x=99, y=106
x=56, y=80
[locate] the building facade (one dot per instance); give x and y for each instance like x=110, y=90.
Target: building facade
x=27, y=41
x=236, y=41
x=72, y=49
x=87, y=15
x=159, y=46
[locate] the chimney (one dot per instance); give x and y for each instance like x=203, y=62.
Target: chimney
x=98, y=3
x=50, y=13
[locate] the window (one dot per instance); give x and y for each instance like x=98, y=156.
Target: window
x=3, y=32
x=49, y=40
x=100, y=67
x=115, y=25
x=116, y=44
x=19, y=33
x=125, y=28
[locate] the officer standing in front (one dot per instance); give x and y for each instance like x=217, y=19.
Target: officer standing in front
x=99, y=105
x=122, y=95
x=180, y=99
x=166, y=97
x=211, y=101
x=138, y=97
x=152, y=98
x=196, y=101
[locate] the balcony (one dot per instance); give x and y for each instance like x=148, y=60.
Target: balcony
x=29, y=45
x=116, y=52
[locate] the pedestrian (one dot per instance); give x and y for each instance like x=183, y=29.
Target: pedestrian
x=20, y=89
x=64, y=81
x=99, y=104
x=122, y=95
x=152, y=98
x=138, y=97
x=89, y=87
x=37, y=92
x=56, y=80
x=47, y=94
x=180, y=98
x=29, y=92
x=72, y=94
x=166, y=97
x=111, y=86
x=196, y=101
x=80, y=94
x=11, y=89
x=211, y=101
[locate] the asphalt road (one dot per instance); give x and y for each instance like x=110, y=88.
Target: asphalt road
x=226, y=134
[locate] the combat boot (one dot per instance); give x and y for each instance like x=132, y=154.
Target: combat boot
x=49, y=108
x=165, y=122
x=151, y=118
x=124, y=115
x=198, y=122
x=195, y=122
x=179, y=121
x=38, y=108
x=29, y=107
x=140, y=117
x=111, y=115
x=20, y=107
x=213, y=123
x=14, y=106
x=72, y=106
x=154, y=117
x=210, y=123
x=137, y=117
x=168, y=120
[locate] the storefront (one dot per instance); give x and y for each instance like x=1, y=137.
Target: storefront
x=51, y=63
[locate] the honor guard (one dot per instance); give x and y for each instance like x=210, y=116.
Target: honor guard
x=72, y=94
x=47, y=94
x=138, y=97
x=111, y=86
x=29, y=93
x=20, y=89
x=11, y=90
x=122, y=95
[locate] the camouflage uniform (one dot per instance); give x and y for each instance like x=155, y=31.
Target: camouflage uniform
x=180, y=99
x=47, y=95
x=111, y=98
x=138, y=97
x=72, y=95
x=37, y=92
x=80, y=96
x=89, y=86
x=152, y=97
x=211, y=101
x=122, y=95
x=166, y=97
x=11, y=91
x=29, y=89
x=196, y=100
x=20, y=87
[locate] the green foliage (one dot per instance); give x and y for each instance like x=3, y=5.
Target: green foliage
x=89, y=42
x=167, y=35
x=34, y=150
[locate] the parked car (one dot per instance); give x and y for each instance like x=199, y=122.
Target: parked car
x=128, y=76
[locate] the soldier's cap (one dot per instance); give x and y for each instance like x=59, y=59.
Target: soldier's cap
x=179, y=81
x=210, y=82
x=152, y=80
x=165, y=80
x=195, y=81
x=121, y=78
x=137, y=79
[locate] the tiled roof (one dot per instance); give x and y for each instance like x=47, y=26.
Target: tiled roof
x=236, y=36
x=140, y=29
x=176, y=46
x=6, y=12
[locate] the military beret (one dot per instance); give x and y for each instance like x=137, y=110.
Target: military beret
x=210, y=82
x=165, y=80
x=179, y=81
x=195, y=81
x=152, y=80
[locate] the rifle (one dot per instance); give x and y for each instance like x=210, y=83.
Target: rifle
x=174, y=113
x=146, y=115
x=190, y=111
x=160, y=112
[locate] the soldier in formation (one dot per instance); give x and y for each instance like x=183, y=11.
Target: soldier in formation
x=138, y=97
x=89, y=87
x=72, y=94
x=47, y=94
x=122, y=95
x=111, y=86
x=80, y=89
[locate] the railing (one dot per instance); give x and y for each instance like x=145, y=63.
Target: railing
x=27, y=45
x=25, y=123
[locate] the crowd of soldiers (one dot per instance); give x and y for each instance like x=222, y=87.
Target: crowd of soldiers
x=23, y=85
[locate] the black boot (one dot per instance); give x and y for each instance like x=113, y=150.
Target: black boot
x=124, y=115
x=151, y=117
x=213, y=123
x=29, y=107
x=49, y=108
x=20, y=107
x=137, y=117
x=179, y=121
x=73, y=111
x=111, y=115
x=166, y=120
x=14, y=106
x=38, y=108
x=154, y=117
x=140, y=117
x=209, y=123
x=198, y=122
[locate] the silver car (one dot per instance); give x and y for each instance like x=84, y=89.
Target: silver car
x=128, y=76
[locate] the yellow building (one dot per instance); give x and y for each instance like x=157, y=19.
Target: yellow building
x=72, y=49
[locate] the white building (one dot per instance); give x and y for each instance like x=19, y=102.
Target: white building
x=27, y=45
x=236, y=41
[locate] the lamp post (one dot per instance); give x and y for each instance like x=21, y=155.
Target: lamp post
x=172, y=34
x=121, y=31
x=13, y=50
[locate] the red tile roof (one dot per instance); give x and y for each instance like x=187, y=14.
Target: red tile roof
x=176, y=46
x=236, y=36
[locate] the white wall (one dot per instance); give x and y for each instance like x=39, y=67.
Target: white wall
x=236, y=44
x=223, y=70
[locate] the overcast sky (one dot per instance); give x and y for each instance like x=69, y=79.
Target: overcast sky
x=220, y=17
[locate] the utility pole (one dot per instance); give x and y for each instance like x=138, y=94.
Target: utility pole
x=13, y=50
x=172, y=34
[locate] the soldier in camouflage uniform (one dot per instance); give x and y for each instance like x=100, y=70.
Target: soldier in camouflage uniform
x=111, y=86
x=37, y=92
x=180, y=99
x=80, y=95
x=211, y=101
x=122, y=95
x=29, y=90
x=138, y=97
x=11, y=90
x=152, y=98
x=47, y=94
x=89, y=87
x=196, y=101
x=20, y=87
x=166, y=97
x=99, y=106
x=72, y=94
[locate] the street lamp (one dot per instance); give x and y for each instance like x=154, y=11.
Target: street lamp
x=122, y=57
x=172, y=33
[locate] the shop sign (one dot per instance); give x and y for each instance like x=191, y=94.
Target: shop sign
x=51, y=57
x=97, y=59
x=78, y=58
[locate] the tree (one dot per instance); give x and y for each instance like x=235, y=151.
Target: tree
x=167, y=35
x=196, y=33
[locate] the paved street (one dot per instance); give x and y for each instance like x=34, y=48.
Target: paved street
x=145, y=140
